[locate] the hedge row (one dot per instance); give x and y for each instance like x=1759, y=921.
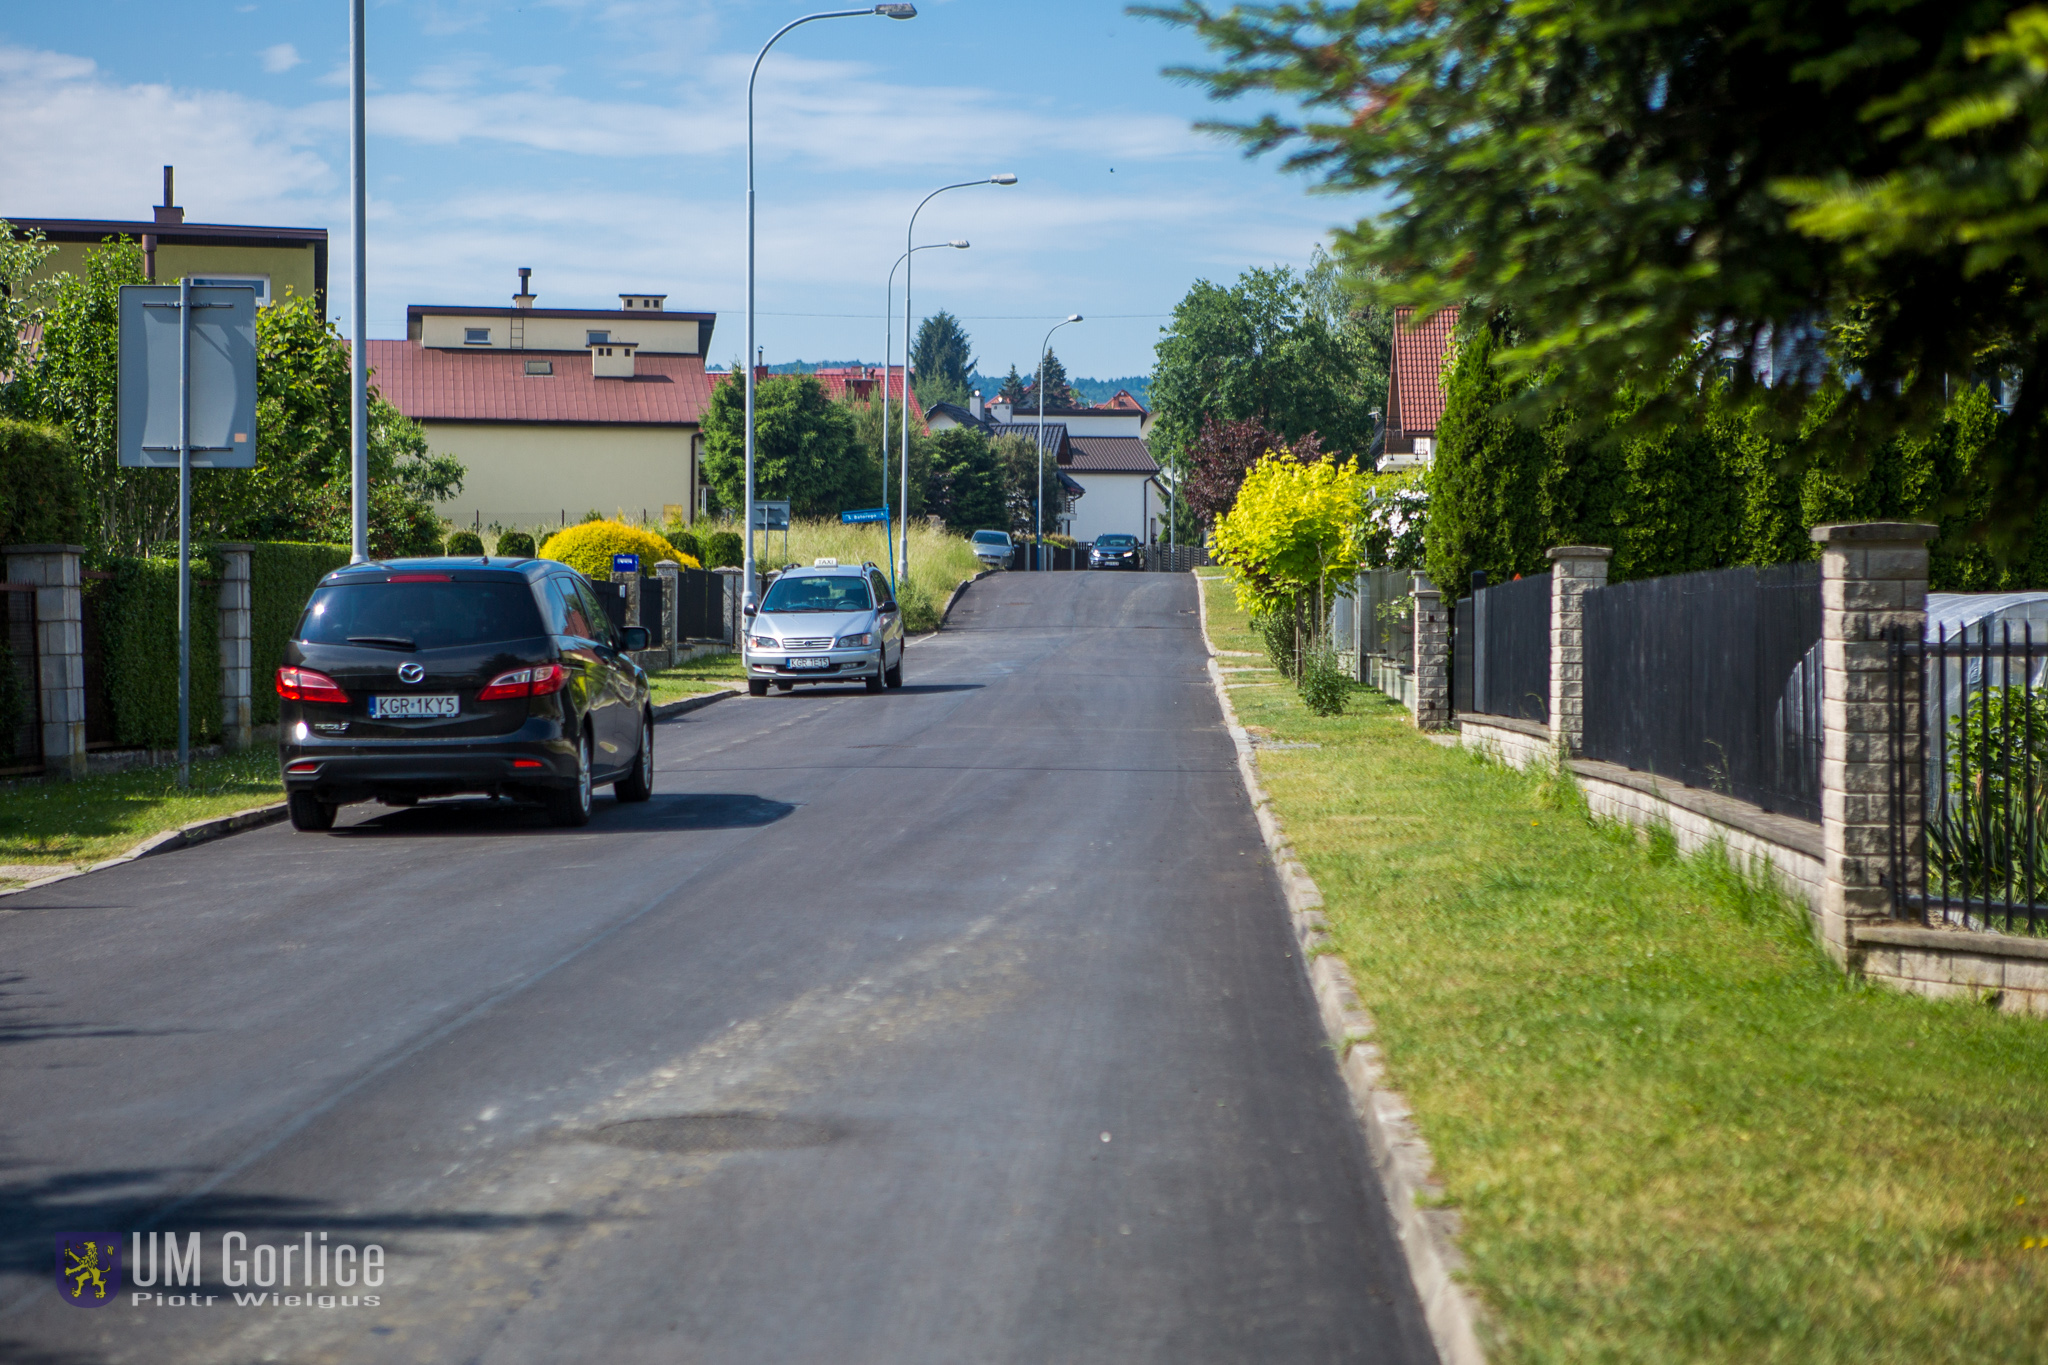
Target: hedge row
x=138, y=614
x=40, y=501
x=282, y=575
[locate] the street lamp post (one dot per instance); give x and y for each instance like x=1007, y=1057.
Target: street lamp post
x=888, y=353
x=1000, y=178
x=358, y=363
x=886, y=11
x=1038, y=493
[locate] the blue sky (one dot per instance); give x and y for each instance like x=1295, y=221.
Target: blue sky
x=602, y=143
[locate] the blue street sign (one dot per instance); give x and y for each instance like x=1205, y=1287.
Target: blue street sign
x=870, y=514
x=625, y=563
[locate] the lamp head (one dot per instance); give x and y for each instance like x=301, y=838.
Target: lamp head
x=958, y=244
x=1003, y=178
x=1073, y=317
x=897, y=11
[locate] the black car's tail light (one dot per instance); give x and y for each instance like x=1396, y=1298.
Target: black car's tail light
x=308, y=684
x=525, y=682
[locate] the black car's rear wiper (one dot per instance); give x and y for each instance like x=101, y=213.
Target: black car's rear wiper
x=384, y=641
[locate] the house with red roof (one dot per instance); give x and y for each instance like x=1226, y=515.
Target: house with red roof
x=1111, y=480
x=1415, y=387
x=556, y=411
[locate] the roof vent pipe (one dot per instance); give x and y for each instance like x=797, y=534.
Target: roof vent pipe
x=524, y=298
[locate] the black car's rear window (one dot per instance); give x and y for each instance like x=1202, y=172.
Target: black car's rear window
x=420, y=615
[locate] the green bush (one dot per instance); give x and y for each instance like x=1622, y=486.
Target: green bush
x=724, y=550
x=686, y=542
x=138, y=611
x=1276, y=630
x=465, y=543
x=40, y=498
x=1323, y=684
x=515, y=545
x=282, y=575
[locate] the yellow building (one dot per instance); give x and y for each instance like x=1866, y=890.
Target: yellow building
x=557, y=411
x=276, y=260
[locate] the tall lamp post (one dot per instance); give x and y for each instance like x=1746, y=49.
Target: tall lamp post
x=1038, y=494
x=358, y=364
x=888, y=352
x=886, y=11
x=1000, y=178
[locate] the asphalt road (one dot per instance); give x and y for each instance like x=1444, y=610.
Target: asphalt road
x=956, y=1024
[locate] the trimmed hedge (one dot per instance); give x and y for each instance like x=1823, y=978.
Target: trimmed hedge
x=282, y=575
x=589, y=547
x=41, y=501
x=515, y=545
x=725, y=550
x=465, y=543
x=139, y=630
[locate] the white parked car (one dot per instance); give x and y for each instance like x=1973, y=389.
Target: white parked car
x=992, y=548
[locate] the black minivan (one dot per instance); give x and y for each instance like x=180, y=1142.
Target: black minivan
x=412, y=678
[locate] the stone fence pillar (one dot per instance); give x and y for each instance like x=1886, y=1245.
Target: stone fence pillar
x=729, y=618
x=237, y=728
x=56, y=571
x=631, y=583
x=1432, y=657
x=1873, y=579
x=1573, y=570
x=668, y=569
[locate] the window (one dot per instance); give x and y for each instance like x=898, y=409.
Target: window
x=420, y=615
x=881, y=587
x=596, y=338
x=600, y=620
x=817, y=592
x=540, y=367
x=476, y=336
x=567, y=612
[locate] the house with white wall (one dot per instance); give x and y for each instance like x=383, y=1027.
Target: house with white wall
x=1112, y=480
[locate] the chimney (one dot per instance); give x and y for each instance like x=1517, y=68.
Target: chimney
x=524, y=298
x=611, y=359
x=167, y=212
x=974, y=404
x=651, y=302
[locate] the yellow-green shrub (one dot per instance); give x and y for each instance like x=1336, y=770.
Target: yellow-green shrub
x=589, y=548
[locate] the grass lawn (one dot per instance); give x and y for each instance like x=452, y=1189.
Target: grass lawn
x=1675, y=1132
x=707, y=674
x=49, y=824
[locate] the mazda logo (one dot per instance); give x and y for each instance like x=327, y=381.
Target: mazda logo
x=410, y=673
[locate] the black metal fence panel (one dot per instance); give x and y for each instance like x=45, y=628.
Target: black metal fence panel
x=1386, y=614
x=1462, y=655
x=700, y=602
x=1711, y=679
x=1509, y=625
x=1970, y=751
x=21, y=740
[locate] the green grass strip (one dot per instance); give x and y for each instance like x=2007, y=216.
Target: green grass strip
x=1674, y=1130
x=49, y=824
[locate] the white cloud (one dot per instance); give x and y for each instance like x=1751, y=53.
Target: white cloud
x=280, y=58
x=81, y=146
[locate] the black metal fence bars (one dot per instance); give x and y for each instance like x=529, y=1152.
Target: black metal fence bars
x=1713, y=679
x=21, y=715
x=1500, y=649
x=1970, y=750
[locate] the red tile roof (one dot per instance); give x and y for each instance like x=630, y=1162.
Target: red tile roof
x=493, y=386
x=1419, y=358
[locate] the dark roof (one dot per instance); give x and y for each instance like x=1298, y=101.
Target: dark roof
x=959, y=414
x=508, y=310
x=1055, y=438
x=431, y=384
x=176, y=234
x=1419, y=356
x=1074, y=489
x=1112, y=455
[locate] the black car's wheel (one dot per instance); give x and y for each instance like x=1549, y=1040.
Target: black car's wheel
x=309, y=813
x=638, y=785
x=757, y=687
x=571, y=807
x=894, y=677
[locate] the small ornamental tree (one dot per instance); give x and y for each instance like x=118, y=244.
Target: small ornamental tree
x=1290, y=543
x=1224, y=453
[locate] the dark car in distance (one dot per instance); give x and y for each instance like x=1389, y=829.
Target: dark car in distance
x=1116, y=552
x=413, y=678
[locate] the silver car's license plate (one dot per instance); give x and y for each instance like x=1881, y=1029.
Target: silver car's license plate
x=814, y=665
x=413, y=708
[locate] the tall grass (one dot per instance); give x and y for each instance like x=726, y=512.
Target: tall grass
x=939, y=561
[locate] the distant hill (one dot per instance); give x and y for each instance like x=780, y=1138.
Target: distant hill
x=1091, y=390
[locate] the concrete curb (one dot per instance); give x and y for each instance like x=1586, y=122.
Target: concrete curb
x=1427, y=1233
x=684, y=705
x=958, y=590
x=171, y=840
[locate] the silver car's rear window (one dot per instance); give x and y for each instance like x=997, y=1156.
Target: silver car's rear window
x=818, y=592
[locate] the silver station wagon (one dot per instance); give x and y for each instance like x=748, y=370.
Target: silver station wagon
x=830, y=623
